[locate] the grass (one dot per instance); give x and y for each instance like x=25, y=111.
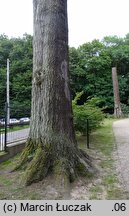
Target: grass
x=95, y=191
x=102, y=147
x=103, y=186
x=2, y=153
x=102, y=140
x=16, y=128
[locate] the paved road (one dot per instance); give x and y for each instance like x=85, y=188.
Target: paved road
x=17, y=135
x=14, y=137
x=121, y=133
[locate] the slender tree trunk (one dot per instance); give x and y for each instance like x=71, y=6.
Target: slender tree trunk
x=51, y=145
x=117, y=105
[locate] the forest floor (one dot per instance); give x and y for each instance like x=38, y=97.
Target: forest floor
x=107, y=184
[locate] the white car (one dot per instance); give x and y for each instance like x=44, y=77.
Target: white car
x=13, y=121
x=2, y=121
x=24, y=120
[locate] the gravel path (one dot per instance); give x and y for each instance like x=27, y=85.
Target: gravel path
x=121, y=133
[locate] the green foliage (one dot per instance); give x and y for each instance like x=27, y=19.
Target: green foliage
x=89, y=65
x=125, y=110
x=92, y=72
x=90, y=69
x=88, y=110
x=19, y=51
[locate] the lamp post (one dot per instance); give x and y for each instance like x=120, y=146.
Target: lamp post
x=7, y=99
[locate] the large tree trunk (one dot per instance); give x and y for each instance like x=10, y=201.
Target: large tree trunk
x=117, y=104
x=51, y=145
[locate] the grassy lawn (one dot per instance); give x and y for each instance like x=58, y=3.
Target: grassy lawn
x=15, y=128
x=102, y=147
x=103, y=186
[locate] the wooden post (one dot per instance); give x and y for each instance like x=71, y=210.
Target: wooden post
x=117, y=105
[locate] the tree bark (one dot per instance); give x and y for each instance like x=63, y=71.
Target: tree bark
x=117, y=104
x=51, y=145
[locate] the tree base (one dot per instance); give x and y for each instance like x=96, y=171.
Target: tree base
x=65, y=165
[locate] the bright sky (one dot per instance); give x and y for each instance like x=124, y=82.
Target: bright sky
x=88, y=19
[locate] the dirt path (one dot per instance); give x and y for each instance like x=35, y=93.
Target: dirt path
x=121, y=133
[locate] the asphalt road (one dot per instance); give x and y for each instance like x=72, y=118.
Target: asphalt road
x=17, y=135
x=13, y=137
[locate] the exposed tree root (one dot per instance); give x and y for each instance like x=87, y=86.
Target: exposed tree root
x=65, y=165
x=38, y=168
x=26, y=155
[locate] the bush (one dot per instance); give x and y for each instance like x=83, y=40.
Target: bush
x=88, y=110
x=125, y=110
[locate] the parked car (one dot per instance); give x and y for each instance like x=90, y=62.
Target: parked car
x=13, y=121
x=2, y=121
x=25, y=120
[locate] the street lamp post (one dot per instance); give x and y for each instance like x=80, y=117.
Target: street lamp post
x=7, y=99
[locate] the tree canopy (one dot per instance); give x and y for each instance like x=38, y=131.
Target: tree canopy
x=90, y=70
x=19, y=52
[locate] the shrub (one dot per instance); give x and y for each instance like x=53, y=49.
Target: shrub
x=88, y=110
x=125, y=110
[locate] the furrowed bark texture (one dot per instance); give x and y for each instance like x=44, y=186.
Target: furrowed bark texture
x=51, y=103
x=51, y=144
x=117, y=104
